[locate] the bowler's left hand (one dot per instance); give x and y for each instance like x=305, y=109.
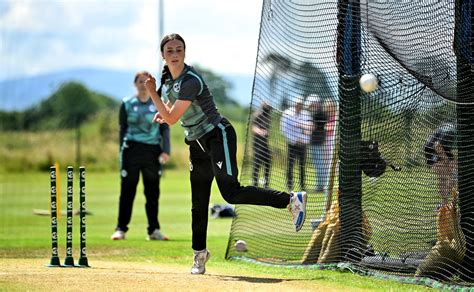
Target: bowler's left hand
x=158, y=118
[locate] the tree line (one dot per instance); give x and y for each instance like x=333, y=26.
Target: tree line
x=68, y=107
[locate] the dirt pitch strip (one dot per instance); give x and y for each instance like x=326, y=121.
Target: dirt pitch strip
x=33, y=275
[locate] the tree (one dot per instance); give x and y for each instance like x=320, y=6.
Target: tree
x=313, y=81
x=279, y=65
x=307, y=78
x=218, y=86
x=67, y=108
x=10, y=120
x=76, y=104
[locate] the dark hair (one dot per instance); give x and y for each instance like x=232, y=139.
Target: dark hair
x=266, y=108
x=170, y=37
x=140, y=73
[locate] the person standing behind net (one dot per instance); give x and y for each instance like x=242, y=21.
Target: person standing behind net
x=212, y=146
x=261, y=151
x=296, y=128
x=144, y=146
x=330, y=108
x=440, y=158
x=318, y=137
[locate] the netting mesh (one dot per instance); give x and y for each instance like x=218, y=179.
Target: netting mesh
x=381, y=169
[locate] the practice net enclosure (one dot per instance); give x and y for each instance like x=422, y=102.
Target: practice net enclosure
x=388, y=172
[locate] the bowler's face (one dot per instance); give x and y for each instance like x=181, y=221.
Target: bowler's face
x=173, y=53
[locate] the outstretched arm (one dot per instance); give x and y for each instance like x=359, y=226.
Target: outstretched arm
x=170, y=113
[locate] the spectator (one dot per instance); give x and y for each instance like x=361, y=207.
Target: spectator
x=261, y=152
x=296, y=127
x=317, y=142
x=330, y=108
x=441, y=159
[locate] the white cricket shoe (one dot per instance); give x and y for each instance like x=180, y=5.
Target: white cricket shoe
x=200, y=260
x=297, y=208
x=157, y=235
x=118, y=235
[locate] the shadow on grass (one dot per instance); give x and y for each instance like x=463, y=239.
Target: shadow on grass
x=255, y=279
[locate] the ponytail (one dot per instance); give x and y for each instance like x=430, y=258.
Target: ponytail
x=165, y=74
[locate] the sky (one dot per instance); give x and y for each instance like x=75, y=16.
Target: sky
x=44, y=36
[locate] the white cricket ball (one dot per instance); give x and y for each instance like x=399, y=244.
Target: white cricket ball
x=240, y=245
x=368, y=82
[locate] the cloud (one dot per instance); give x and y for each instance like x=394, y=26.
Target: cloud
x=47, y=15
x=43, y=36
x=50, y=35
x=220, y=37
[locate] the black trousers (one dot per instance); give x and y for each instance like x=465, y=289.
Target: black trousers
x=261, y=159
x=296, y=152
x=214, y=155
x=136, y=158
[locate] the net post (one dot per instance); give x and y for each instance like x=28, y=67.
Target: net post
x=350, y=181
x=463, y=47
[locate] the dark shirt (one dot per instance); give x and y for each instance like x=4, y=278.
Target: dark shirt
x=202, y=115
x=318, y=135
x=262, y=120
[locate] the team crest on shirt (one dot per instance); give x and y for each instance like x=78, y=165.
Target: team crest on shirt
x=152, y=108
x=177, y=86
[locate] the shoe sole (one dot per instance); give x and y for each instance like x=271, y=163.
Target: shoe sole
x=302, y=197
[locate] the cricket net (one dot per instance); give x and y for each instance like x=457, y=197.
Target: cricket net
x=395, y=163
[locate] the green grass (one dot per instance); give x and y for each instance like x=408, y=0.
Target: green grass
x=27, y=236
x=99, y=147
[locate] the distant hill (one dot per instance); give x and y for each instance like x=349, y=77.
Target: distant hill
x=20, y=93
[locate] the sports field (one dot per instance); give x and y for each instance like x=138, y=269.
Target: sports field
x=137, y=264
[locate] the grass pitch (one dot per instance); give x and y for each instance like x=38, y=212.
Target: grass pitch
x=135, y=263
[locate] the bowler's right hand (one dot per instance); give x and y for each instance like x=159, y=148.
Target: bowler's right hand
x=150, y=84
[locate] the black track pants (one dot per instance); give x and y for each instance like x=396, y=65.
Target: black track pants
x=136, y=158
x=214, y=155
x=262, y=159
x=296, y=152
